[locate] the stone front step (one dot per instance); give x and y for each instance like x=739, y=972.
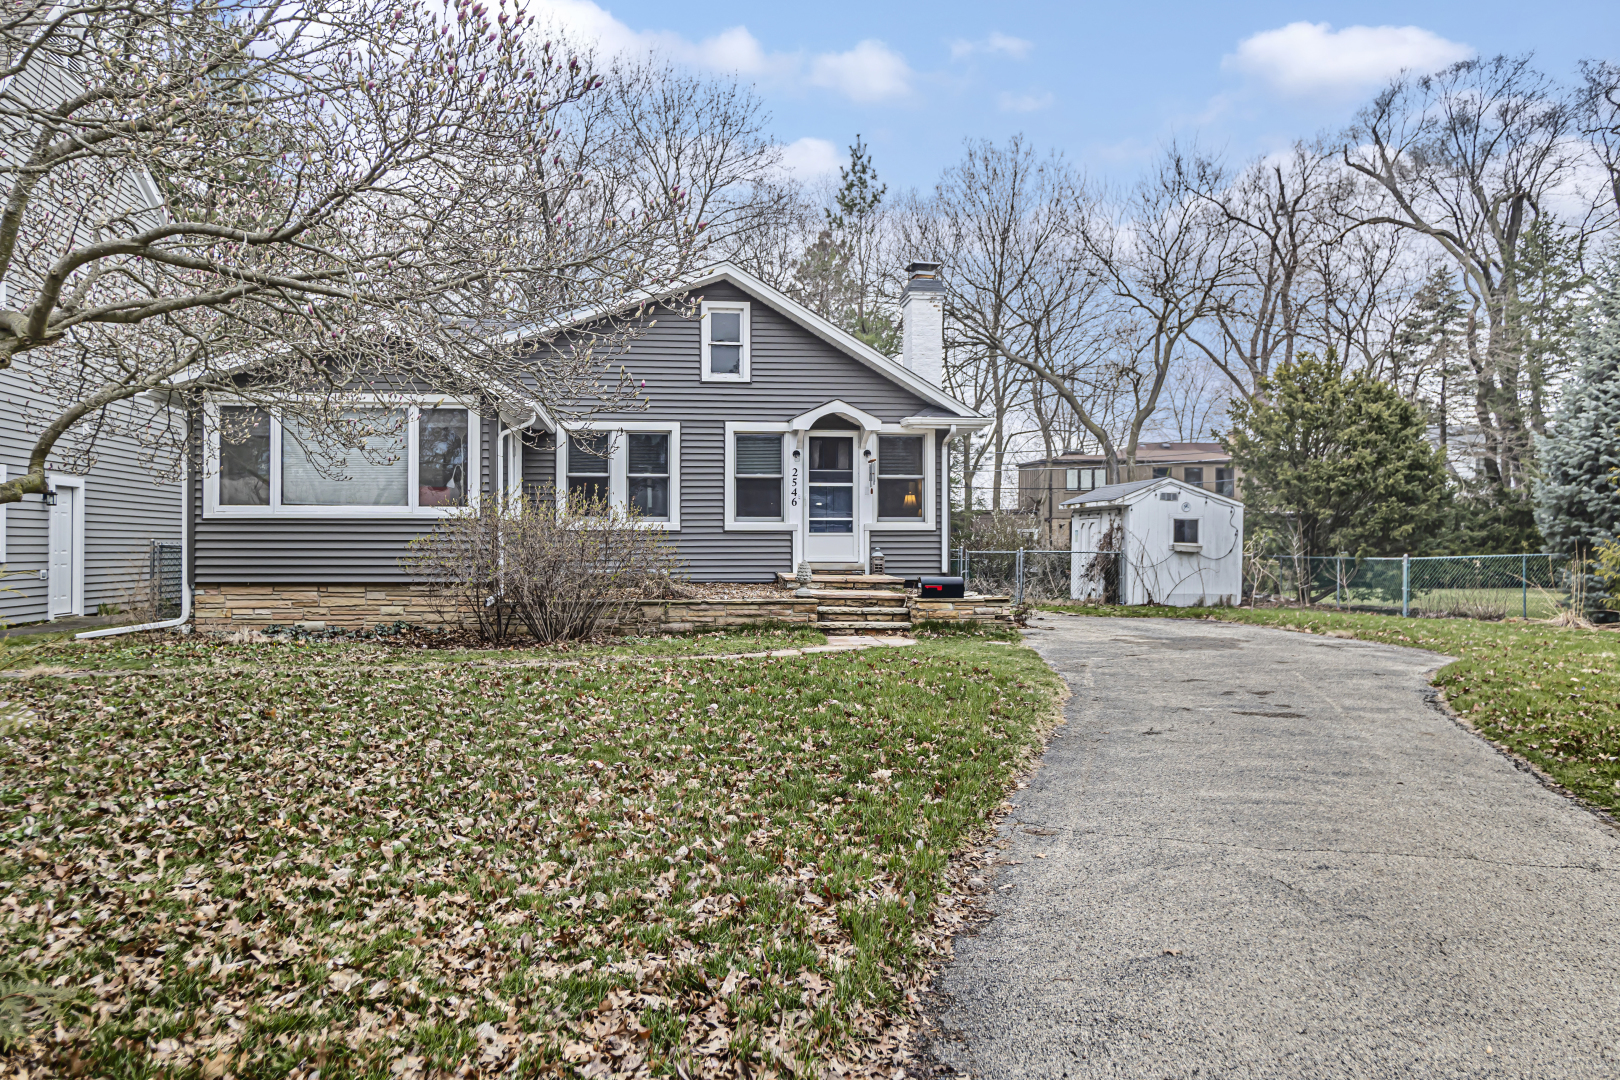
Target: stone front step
x=852, y=595
x=853, y=626
x=848, y=581
x=836, y=611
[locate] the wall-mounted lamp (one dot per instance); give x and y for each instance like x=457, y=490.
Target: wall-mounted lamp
x=49, y=496
x=795, y=455
x=868, y=453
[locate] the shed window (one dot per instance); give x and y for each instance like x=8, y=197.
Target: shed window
x=1186, y=530
x=900, y=476
x=758, y=477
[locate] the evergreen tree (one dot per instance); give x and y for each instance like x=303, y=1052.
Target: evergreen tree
x=1578, y=495
x=837, y=276
x=1340, y=462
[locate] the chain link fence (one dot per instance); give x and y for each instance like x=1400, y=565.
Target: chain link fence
x=1459, y=586
x=1035, y=576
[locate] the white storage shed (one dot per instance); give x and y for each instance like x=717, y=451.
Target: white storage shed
x=1156, y=542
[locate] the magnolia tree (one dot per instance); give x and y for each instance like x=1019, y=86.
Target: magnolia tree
x=302, y=202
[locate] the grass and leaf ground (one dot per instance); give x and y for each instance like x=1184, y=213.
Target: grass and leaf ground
x=142, y=651
x=1550, y=694
x=272, y=859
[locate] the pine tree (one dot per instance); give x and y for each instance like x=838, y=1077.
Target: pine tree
x=1578, y=495
x=836, y=276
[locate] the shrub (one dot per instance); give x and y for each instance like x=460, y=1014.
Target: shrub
x=558, y=569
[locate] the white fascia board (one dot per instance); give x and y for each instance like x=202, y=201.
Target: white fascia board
x=1077, y=504
x=961, y=423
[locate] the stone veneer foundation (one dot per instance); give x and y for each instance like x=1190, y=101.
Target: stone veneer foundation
x=219, y=608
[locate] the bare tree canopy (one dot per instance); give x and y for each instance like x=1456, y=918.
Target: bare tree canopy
x=331, y=194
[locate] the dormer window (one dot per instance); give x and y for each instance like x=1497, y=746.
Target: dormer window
x=725, y=342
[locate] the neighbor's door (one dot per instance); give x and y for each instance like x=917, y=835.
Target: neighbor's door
x=832, y=534
x=64, y=559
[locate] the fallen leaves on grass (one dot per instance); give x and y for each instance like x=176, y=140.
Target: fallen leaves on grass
x=694, y=868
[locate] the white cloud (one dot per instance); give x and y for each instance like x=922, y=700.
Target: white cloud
x=871, y=71
x=1030, y=102
x=733, y=50
x=810, y=158
x=1313, y=59
x=996, y=43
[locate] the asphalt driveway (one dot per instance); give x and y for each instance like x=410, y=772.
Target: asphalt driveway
x=1256, y=853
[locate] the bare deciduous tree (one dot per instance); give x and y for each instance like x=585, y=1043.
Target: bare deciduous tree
x=1468, y=158
x=335, y=196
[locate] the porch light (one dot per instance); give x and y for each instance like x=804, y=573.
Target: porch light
x=49, y=495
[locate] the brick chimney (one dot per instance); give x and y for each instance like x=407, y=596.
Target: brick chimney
x=922, y=311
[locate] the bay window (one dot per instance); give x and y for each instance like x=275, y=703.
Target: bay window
x=398, y=459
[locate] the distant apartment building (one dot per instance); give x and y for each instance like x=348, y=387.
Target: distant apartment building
x=1044, y=484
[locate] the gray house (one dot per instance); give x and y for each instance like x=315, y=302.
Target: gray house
x=109, y=534
x=771, y=438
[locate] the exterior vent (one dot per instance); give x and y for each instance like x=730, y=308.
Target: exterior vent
x=1169, y=496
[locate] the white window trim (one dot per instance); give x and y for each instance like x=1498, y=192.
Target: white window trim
x=510, y=441
x=52, y=482
x=790, y=497
x=618, y=484
x=414, y=405
x=744, y=373
x=930, y=483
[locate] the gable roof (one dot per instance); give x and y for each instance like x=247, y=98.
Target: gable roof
x=838, y=338
x=1114, y=494
x=835, y=336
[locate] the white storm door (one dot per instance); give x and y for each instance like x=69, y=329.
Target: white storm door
x=831, y=534
x=64, y=561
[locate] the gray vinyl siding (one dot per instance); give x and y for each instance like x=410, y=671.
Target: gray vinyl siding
x=126, y=508
x=792, y=371
x=313, y=550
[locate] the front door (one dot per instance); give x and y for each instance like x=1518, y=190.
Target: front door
x=832, y=535
x=64, y=561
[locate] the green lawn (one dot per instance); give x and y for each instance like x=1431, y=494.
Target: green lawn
x=262, y=860
x=1549, y=694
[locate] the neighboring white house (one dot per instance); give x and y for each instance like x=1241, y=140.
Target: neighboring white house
x=1162, y=542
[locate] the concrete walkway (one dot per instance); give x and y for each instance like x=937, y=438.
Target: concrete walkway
x=1265, y=855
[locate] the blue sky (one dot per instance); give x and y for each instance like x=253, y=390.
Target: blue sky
x=1106, y=84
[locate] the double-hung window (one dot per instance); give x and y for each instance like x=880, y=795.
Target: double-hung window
x=1225, y=482
x=383, y=459
x=725, y=342
x=1193, y=476
x=636, y=466
x=757, y=476
x=901, y=473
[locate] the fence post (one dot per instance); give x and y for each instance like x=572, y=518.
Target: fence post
x=1018, y=571
x=1406, y=586
x=962, y=562
x=1524, y=584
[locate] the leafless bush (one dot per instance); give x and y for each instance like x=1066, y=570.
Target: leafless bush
x=558, y=569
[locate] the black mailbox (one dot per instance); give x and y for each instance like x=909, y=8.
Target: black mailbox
x=942, y=588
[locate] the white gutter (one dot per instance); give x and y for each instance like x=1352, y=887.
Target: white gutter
x=185, y=586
